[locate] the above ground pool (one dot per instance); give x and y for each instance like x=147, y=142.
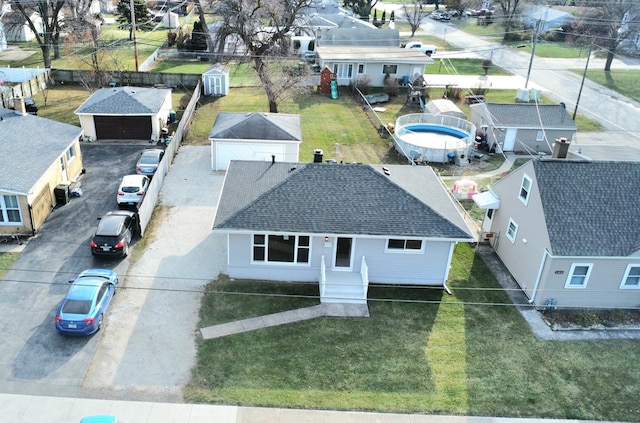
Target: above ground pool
x=424, y=137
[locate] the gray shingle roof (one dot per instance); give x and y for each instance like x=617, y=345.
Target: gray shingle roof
x=591, y=208
x=529, y=115
x=138, y=101
x=29, y=145
x=257, y=126
x=325, y=198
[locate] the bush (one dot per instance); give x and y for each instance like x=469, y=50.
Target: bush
x=391, y=87
x=363, y=83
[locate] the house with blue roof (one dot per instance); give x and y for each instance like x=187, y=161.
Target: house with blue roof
x=125, y=113
x=343, y=226
x=566, y=229
x=37, y=155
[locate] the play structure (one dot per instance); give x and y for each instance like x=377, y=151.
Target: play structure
x=424, y=138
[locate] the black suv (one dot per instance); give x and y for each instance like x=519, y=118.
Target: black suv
x=114, y=233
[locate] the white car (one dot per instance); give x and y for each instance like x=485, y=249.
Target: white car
x=424, y=48
x=132, y=190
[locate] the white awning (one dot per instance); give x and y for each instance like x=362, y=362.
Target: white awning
x=486, y=200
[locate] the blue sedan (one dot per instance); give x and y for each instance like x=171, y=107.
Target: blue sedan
x=82, y=310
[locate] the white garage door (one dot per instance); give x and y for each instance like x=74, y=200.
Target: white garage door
x=224, y=152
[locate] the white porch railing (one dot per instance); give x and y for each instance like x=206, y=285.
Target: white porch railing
x=323, y=277
x=364, y=274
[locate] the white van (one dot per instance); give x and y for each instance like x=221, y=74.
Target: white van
x=424, y=48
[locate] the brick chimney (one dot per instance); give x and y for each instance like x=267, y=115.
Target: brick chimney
x=18, y=106
x=560, y=148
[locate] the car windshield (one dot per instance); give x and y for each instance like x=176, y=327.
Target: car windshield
x=76, y=306
x=130, y=189
x=148, y=159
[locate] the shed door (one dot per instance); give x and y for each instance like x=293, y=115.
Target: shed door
x=215, y=85
x=510, y=139
x=123, y=127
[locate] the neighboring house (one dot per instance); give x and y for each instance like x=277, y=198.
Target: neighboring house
x=125, y=113
x=341, y=225
x=629, y=32
x=16, y=28
x=545, y=18
x=254, y=136
x=567, y=231
x=353, y=64
x=361, y=37
x=523, y=127
x=38, y=156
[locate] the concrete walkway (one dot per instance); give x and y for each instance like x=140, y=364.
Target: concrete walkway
x=285, y=317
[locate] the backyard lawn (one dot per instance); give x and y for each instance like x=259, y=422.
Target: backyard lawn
x=420, y=351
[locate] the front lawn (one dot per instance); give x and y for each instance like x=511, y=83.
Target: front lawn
x=420, y=351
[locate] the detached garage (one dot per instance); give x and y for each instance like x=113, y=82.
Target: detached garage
x=254, y=136
x=135, y=113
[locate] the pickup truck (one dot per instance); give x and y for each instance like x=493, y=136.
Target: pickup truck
x=424, y=48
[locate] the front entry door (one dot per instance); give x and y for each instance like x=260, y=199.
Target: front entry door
x=343, y=253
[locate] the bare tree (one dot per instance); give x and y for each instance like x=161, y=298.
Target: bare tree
x=509, y=11
x=414, y=13
x=607, y=24
x=361, y=8
x=49, y=12
x=264, y=28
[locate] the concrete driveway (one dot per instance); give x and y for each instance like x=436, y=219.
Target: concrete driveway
x=33, y=357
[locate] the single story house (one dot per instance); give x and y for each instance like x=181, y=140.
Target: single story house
x=545, y=18
x=341, y=225
x=254, y=136
x=523, y=127
x=137, y=113
x=350, y=64
x=39, y=156
x=16, y=27
x=565, y=227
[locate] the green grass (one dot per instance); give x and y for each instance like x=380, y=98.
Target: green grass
x=621, y=81
x=420, y=351
x=6, y=261
x=462, y=67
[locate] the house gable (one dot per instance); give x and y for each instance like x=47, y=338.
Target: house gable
x=327, y=199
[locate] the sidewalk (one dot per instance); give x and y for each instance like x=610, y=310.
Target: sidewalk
x=31, y=409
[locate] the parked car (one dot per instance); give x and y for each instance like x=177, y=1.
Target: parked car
x=439, y=15
x=114, y=233
x=100, y=419
x=132, y=190
x=427, y=49
x=87, y=301
x=149, y=161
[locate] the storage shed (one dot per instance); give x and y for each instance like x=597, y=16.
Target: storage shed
x=215, y=80
x=444, y=107
x=254, y=136
x=171, y=20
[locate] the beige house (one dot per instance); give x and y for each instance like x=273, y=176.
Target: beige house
x=523, y=127
x=39, y=156
x=566, y=228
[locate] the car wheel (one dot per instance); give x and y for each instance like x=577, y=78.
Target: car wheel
x=100, y=320
x=125, y=250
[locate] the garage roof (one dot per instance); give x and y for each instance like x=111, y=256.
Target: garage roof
x=120, y=101
x=30, y=145
x=257, y=126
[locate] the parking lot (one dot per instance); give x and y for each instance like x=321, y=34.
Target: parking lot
x=33, y=357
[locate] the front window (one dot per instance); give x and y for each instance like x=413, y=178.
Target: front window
x=525, y=189
x=343, y=70
x=389, y=69
x=631, y=279
x=281, y=248
x=512, y=230
x=578, y=276
x=9, y=209
x=404, y=244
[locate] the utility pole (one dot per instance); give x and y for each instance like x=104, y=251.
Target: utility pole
x=584, y=75
x=133, y=29
x=533, y=53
